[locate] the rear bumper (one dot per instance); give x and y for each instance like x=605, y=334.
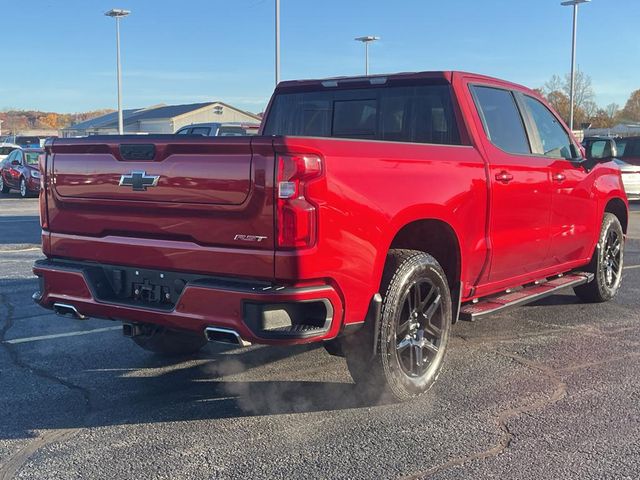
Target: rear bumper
x=254, y=310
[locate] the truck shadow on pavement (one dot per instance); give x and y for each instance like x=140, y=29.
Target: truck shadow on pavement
x=103, y=379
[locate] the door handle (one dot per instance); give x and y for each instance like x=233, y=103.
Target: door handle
x=504, y=176
x=559, y=177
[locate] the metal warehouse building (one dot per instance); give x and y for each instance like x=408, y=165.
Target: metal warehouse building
x=161, y=119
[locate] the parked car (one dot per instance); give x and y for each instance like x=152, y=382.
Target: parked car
x=20, y=171
x=25, y=141
x=370, y=214
x=629, y=150
x=630, y=173
x=219, y=129
x=6, y=149
x=630, y=178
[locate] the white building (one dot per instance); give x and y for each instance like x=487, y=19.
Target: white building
x=161, y=119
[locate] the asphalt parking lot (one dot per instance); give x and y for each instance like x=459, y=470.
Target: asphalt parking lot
x=549, y=390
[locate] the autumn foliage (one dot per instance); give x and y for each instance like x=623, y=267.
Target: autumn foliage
x=15, y=121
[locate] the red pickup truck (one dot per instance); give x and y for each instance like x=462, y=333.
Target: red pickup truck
x=369, y=214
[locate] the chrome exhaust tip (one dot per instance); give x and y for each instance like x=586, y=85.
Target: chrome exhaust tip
x=64, y=310
x=225, y=335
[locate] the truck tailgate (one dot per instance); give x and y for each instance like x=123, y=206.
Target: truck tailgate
x=198, y=195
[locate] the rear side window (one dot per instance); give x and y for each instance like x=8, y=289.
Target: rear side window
x=200, y=131
x=419, y=114
x=501, y=118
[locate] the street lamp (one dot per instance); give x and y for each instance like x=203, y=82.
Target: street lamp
x=277, y=41
x=118, y=13
x=574, y=4
x=367, y=40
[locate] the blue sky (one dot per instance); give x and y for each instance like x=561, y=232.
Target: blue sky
x=183, y=52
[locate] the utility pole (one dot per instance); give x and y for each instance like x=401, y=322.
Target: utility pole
x=572, y=87
x=118, y=13
x=366, y=40
x=277, y=42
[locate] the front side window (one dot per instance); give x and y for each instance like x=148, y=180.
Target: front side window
x=555, y=140
x=31, y=158
x=418, y=114
x=501, y=118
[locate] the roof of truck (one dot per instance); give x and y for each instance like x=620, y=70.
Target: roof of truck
x=380, y=79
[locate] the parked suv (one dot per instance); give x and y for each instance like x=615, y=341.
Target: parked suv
x=370, y=214
x=20, y=171
x=630, y=172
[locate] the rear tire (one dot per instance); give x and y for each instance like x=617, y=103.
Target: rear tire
x=170, y=343
x=3, y=188
x=606, y=263
x=412, y=334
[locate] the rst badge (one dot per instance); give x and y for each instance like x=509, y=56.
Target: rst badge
x=250, y=238
x=139, y=181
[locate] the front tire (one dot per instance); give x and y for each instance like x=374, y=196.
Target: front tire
x=24, y=191
x=170, y=343
x=606, y=263
x=3, y=187
x=413, y=332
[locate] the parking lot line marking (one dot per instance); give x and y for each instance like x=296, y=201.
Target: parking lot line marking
x=631, y=267
x=20, y=250
x=61, y=335
x=22, y=220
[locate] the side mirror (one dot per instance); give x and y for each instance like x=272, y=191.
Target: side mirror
x=602, y=150
x=15, y=163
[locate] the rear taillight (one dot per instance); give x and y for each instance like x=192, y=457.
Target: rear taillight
x=297, y=215
x=44, y=217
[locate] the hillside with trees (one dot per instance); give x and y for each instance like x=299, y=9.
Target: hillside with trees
x=21, y=120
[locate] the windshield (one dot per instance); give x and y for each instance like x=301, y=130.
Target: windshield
x=31, y=158
x=421, y=114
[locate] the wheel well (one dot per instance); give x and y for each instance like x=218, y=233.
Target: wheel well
x=619, y=209
x=436, y=238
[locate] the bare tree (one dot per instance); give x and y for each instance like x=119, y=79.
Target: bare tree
x=584, y=96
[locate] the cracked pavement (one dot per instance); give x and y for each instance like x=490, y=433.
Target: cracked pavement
x=548, y=390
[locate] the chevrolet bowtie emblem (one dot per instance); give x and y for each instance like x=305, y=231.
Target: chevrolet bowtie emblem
x=139, y=181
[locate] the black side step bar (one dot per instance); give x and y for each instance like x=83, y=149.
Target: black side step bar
x=523, y=295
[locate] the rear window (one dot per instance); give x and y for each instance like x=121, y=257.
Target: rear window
x=28, y=140
x=419, y=114
x=231, y=132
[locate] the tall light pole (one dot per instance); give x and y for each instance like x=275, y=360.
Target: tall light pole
x=574, y=4
x=277, y=42
x=367, y=40
x=118, y=13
